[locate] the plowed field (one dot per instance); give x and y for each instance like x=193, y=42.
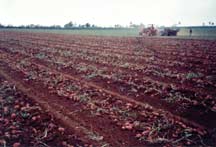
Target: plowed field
x=106, y=91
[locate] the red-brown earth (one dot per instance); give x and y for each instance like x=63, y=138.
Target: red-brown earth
x=107, y=91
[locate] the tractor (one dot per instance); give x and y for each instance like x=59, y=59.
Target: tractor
x=149, y=31
x=152, y=31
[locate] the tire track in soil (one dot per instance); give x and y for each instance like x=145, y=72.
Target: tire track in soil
x=73, y=122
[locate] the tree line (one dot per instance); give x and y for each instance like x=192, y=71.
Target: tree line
x=72, y=25
x=69, y=25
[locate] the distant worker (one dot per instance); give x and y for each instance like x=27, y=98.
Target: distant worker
x=191, y=32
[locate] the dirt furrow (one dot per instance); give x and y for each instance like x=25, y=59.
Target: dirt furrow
x=154, y=79
x=98, y=86
x=97, y=131
x=63, y=115
x=131, y=100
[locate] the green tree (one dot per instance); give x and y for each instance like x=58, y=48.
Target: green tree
x=69, y=25
x=88, y=25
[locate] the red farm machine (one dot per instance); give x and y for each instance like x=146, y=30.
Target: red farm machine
x=149, y=31
x=152, y=31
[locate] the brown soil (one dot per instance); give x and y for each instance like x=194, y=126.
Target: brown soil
x=113, y=107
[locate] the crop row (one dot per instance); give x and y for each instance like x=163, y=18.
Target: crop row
x=145, y=123
x=131, y=85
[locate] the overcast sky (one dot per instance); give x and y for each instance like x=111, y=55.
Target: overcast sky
x=107, y=12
